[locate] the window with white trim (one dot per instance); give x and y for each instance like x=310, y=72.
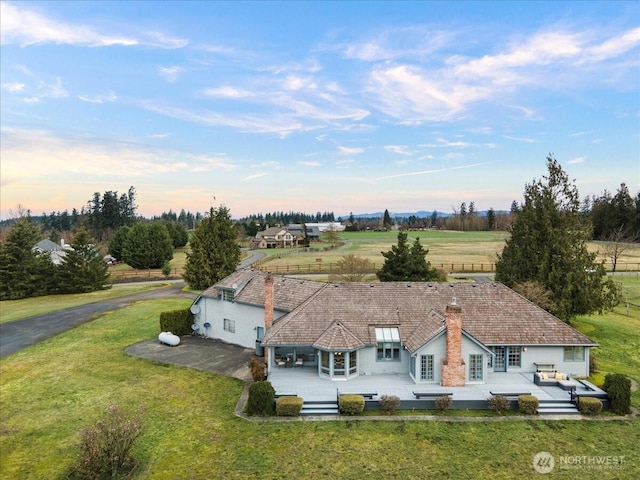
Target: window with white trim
x=228, y=295
x=229, y=325
x=388, y=340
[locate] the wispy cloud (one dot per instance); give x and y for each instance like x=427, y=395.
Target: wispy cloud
x=14, y=87
x=399, y=149
x=109, y=97
x=170, y=74
x=426, y=172
x=28, y=26
x=310, y=163
x=228, y=92
x=350, y=150
x=520, y=139
x=577, y=160
x=253, y=177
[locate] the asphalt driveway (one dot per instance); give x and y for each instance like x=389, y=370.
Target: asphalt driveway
x=23, y=333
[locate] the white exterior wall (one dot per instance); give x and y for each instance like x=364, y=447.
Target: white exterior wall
x=552, y=354
x=369, y=365
x=437, y=348
x=246, y=317
x=471, y=348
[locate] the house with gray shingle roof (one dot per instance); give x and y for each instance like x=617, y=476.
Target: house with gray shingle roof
x=441, y=333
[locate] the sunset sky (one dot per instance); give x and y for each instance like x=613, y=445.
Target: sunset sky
x=314, y=106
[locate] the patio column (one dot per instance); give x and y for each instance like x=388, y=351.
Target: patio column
x=453, y=374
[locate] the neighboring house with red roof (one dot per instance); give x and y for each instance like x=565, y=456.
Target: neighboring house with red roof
x=442, y=333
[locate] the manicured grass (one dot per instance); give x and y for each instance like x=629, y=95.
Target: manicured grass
x=52, y=390
x=617, y=334
x=11, y=310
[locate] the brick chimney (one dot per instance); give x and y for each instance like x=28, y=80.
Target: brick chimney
x=268, y=301
x=453, y=366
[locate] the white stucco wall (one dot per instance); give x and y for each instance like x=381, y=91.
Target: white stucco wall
x=246, y=317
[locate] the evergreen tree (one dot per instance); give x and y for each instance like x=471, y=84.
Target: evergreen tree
x=548, y=245
x=214, y=251
x=404, y=263
x=386, y=220
x=117, y=242
x=148, y=245
x=83, y=269
x=24, y=272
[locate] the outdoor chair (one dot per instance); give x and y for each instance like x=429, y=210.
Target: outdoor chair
x=280, y=362
x=299, y=361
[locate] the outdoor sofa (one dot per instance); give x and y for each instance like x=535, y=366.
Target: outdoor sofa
x=553, y=379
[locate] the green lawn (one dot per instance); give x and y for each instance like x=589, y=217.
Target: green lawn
x=52, y=390
x=11, y=310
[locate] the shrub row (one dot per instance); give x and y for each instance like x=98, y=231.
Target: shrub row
x=528, y=404
x=589, y=406
x=177, y=322
x=288, y=406
x=351, y=404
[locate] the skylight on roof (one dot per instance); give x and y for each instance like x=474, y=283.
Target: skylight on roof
x=387, y=334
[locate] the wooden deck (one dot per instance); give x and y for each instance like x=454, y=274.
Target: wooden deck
x=305, y=383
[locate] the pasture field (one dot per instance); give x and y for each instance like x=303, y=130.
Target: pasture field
x=475, y=250
x=52, y=390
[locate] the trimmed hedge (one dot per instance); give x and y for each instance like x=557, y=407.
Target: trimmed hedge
x=177, y=322
x=351, y=404
x=289, y=406
x=618, y=388
x=443, y=403
x=261, y=398
x=389, y=403
x=528, y=404
x=498, y=403
x=589, y=406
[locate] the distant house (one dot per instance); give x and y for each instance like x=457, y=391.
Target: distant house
x=55, y=251
x=451, y=334
x=313, y=231
x=276, y=237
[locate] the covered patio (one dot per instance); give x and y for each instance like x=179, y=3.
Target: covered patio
x=305, y=382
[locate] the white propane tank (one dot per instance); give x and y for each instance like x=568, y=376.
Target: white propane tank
x=169, y=338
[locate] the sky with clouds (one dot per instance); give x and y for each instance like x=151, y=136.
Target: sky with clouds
x=314, y=106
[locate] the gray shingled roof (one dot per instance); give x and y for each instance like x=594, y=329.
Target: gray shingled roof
x=288, y=293
x=492, y=313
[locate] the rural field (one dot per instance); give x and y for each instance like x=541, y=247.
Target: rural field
x=50, y=391
x=451, y=251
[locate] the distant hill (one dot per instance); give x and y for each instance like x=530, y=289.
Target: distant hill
x=419, y=214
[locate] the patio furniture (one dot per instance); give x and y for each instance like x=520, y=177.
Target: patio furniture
x=545, y=366
x=280, y=362
x=299, y=362
x=420, y=395
x=546, y=379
